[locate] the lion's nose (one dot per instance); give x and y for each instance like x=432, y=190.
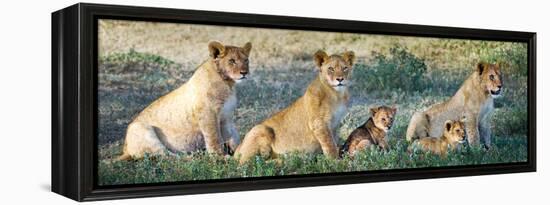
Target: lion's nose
x=244, y=73
x=340, y=79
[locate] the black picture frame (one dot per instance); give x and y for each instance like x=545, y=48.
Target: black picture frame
x=74, y=100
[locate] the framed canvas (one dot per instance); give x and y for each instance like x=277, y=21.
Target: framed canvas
x=156, y=102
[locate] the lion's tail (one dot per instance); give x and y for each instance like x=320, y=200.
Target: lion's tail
x=124, y=157
x=418, y=127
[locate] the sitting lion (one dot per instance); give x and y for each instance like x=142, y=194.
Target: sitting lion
x=308, y=124
x=196, y=115
x=474, y=100
x=373, y=132
x=453, y=135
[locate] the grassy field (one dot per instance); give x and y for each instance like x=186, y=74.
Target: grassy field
x=141, y=61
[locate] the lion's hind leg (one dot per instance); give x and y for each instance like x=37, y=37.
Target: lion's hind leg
x=140, y=139
x=258, y=141
x=361, y=145
x=418, y=127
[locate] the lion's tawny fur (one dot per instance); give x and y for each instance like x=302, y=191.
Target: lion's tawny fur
x=453, y=135
x=308, y=124
x=195, y=116
x=371, y=133
x=474, y=100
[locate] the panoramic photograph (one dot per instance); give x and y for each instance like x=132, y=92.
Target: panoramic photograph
x=189, y=102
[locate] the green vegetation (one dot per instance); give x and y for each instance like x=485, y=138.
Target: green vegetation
x=411, y=73
x=202, y=166
x=396, y=71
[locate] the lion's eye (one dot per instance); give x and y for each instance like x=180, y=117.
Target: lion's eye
x=346, y=69
x=246, y=61
x=457, y=130
x=383, y=119
x=492, y=77
x=232, y=61
x=331, y=69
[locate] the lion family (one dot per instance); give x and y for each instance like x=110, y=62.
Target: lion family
x=199, y=114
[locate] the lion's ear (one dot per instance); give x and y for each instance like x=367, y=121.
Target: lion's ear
x=247, y=47
x=480, y=67
x=320, y=57
x=448, y=125
x=216, y=49
x=349, y=57
x=373, y=110
x=428, y=117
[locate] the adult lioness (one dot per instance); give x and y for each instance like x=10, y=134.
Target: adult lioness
x=474, y=100
x=196, y=115
x=308, y=125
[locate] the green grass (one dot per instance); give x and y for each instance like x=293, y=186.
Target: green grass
x=411, y=73
x=202, y=166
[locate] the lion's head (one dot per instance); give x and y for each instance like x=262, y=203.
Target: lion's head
x=232, y=61
x=335, y=69
x=491, y=78
x=383, y=117
x=454, y=130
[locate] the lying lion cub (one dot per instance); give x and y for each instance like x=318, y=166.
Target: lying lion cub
x=306, y=126
x=196, y=115
x=474, y=99
x=373, y=132
x=453, y=135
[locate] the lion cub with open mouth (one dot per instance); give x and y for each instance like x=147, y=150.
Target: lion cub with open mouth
x=453, y=135
x=373, y=132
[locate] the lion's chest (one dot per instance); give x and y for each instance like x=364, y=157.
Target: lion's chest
x=229, y=106
x=340, y=110
x=486, y=108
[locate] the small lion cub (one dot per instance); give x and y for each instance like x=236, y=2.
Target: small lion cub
x=453, y=135
x=373, y=132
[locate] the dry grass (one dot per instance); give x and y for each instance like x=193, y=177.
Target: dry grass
x=280, y=49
